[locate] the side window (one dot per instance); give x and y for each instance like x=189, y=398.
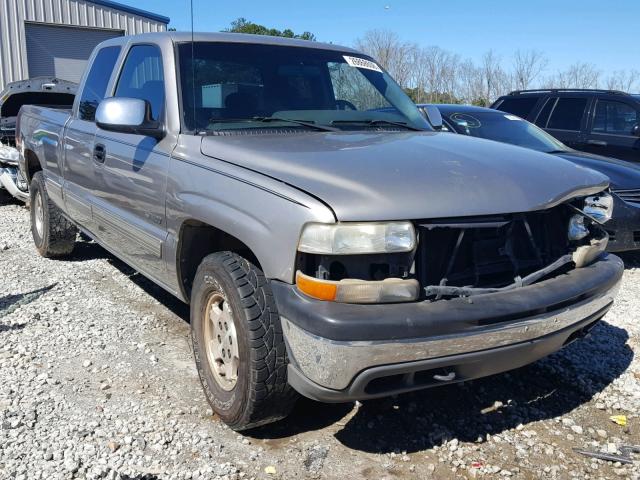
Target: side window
x=96, y=83
x=543, y=116
x=142, y=77
x=568, y=114
x=520, y=106
x=615, y=118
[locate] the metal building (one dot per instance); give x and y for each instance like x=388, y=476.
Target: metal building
x=56, y=37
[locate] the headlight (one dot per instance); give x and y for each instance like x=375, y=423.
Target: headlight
x=355, y=238
x=599, y=207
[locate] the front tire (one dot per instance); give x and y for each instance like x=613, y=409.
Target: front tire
x=238, y=343
x=53, y=234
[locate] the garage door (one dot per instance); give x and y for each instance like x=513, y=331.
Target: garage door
x=62, y=51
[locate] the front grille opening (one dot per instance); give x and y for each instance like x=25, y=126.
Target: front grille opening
x=580, y=333
x=636, y=236
x=491, y=252
x=408, y=381
x=386, y=384
x=630, y=196
x=612, y=235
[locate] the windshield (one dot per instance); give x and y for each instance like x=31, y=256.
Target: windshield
x=506, y=128
x=233, y=86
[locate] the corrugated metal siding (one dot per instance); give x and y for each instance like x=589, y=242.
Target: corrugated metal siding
x=62, y=51
x=14, y=13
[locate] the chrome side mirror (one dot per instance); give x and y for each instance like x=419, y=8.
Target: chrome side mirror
x=128, y=115
x=433, y=116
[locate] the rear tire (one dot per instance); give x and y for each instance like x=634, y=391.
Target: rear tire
x=53, y=234
x=238, y=343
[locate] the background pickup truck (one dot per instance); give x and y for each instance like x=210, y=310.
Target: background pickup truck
x=328, y=241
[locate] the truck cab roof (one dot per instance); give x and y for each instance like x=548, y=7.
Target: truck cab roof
x=224, y=37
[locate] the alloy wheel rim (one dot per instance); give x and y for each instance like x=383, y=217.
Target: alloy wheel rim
x=38, y=214
x=221, y=341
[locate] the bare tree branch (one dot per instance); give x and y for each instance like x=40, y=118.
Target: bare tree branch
x=578, y=75
x=527, y=67
x=433, y=74
x=392, y=53
x=623, y=80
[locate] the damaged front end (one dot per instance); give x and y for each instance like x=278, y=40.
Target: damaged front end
x=447, y=300
x=495, y=254
x=464, y=257
x=11, y=178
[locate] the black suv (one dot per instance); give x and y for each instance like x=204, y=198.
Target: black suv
x=605, y=122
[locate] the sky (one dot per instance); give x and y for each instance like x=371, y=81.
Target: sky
x=604, y=33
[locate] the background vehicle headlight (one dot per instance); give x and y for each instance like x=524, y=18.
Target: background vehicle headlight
x=355, y=238
x=599, y=207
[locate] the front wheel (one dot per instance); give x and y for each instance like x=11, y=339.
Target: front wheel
x=238, y=343
x=53, y=234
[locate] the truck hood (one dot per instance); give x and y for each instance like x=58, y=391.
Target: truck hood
x=39, y=91
x=412, y=175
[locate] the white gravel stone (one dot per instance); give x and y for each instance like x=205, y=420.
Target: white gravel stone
x=68, y=329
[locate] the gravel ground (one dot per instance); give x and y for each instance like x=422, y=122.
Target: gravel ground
x=97, y=381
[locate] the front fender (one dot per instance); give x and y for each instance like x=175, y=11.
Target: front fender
x=266, y=215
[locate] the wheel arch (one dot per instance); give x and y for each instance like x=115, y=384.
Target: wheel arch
x=32, y=164
x=196, y=240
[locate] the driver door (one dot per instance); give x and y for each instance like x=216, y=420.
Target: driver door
x=129, y=208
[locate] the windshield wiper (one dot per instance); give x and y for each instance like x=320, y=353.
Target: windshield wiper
x=374, y=122
x=323, y=128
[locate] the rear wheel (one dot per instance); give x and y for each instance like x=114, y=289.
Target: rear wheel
x=238, y=343
x=53, y=234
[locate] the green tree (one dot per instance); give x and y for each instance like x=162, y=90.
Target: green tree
x=242, y=25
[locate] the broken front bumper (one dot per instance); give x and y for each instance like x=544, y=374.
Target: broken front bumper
x=341, y=352
x=9, y=179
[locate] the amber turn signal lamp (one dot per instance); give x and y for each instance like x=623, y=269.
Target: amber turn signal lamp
x=322, y=290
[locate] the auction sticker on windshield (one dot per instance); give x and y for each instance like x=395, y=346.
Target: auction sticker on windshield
x=362, y=63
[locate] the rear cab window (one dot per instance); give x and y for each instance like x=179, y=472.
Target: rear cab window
x=567, y=114
x=520, y=106
x=95, y=85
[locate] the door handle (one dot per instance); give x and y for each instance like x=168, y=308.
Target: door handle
x=99, y=153
x=598, y=143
